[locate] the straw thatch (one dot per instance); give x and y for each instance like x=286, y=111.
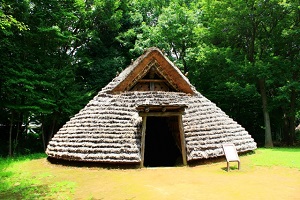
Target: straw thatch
x=109, y=128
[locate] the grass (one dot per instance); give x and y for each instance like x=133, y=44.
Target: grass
x=285, y=157
x=17, y=183
x=33, y=177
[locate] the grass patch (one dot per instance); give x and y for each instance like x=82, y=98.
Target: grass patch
x=286, y=157
x=17, y=183
x=6, y=162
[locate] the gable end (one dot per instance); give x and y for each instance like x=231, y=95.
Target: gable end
x=170, y=78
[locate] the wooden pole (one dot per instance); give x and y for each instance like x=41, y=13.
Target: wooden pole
x=10, y=136
x=143, y=139
x=182, y=140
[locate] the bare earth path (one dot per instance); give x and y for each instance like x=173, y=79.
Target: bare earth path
x=208, y=181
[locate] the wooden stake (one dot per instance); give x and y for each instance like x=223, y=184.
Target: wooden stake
x=182, y=140
x=143, y=139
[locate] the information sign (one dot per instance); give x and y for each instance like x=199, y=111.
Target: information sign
x=231, y=154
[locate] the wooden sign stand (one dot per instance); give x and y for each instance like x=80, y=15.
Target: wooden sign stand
x=231, y=155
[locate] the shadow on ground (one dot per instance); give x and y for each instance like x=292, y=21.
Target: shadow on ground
x=92, y=164
x=193, y=163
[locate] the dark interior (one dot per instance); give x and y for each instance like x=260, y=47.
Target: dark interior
x=160, y=142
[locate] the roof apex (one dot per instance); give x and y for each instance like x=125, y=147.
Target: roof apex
x=134, y=72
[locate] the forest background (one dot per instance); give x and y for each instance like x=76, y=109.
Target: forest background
x=55, y=55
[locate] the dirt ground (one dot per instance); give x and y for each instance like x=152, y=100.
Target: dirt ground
x=206, y=181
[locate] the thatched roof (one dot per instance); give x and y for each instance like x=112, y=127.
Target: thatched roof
x=109, y=128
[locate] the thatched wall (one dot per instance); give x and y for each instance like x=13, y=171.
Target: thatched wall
x=108, y=129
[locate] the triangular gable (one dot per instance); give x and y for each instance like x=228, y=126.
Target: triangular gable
x=151, y=79
x=165, y=75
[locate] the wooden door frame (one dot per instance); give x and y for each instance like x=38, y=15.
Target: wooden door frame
x=144, y=116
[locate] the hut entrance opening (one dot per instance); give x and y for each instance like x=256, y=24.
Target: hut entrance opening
x=162, y=142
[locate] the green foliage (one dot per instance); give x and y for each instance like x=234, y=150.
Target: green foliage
x=253, y=31
x=175, y=30
x=7, y=22
x=41, y=66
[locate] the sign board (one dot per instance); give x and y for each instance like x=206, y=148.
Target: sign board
x=230, y=152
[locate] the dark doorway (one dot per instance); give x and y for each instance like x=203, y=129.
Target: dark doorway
x=162, y=142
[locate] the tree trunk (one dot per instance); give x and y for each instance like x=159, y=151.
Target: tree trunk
x=185, y=67
x=17, y=137
x=20, y=131
x=10, y=136
x=43, y=136
x=268, y=133
x=285, y=127
x=292, y=118
x=52, y=130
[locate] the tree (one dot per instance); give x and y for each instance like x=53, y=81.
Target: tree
x=286, y=53
x=102, y=56
x=256, y=30
x=175, y=31
x=38, y=70
x=70, y=51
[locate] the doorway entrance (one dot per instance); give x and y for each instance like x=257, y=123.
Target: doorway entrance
x=162, y=142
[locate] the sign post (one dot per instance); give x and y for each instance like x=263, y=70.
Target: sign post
x=231, y=155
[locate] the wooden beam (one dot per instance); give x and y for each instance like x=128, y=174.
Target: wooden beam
x=159, y=107
x=160, y=114
x=143, y=139
x=152, y=81
x=182, y=140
